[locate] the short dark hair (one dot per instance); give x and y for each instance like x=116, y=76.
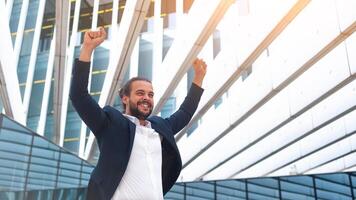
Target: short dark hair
x=126, y=90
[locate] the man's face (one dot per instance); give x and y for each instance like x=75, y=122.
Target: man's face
x=140, y=101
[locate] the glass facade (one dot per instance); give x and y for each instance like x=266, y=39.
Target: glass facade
x=58, y=194
x=30, y=163
x=32, y=167
x=323, y=186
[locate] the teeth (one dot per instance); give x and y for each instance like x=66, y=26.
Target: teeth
x=145, y=105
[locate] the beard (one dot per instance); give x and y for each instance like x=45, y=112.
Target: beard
x=134, y=110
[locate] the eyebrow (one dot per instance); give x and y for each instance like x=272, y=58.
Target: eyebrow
x=141, y=90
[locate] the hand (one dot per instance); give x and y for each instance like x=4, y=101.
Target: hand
x=199, y=71
x=92, y=39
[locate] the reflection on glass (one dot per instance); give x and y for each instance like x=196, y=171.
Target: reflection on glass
x=323, y=186
x=31, y=167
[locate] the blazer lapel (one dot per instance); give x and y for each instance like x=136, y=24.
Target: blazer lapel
x=162, y=132
x=132, y=131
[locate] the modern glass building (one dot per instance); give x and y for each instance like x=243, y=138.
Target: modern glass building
x=280, y=92
x=32, y=167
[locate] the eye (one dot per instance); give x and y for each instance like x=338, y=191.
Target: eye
x=150, y=95
x=140, y=93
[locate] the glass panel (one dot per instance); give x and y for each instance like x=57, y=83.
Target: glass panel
x=297, y=187
x=14, y=155
x=231, y=189
x=145, y=59
x=14, y=18
x=69, y=170
x=72, y=134
x=44, y=165
x=30, y=162
x=41, y=65
x=86, y=171
x=105, y=14
x=13, y=136
x=334, y=186
x=268, y=188
x=22, y=68
x=7, y=123
x=167, y=43
x=49, y=120
x=176, y=192
x=1, y=107
x=199, y=190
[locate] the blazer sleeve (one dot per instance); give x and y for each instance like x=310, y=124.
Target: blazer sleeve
x=88, y=109
x=184, y=114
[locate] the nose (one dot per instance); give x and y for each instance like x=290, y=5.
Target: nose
x=146, y=97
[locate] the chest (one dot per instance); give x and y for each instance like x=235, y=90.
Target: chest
x=146, y=142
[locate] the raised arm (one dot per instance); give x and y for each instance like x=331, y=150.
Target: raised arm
x=183, y=115
x=88, y=109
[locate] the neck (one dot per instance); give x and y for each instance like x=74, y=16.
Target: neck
x=142, y=122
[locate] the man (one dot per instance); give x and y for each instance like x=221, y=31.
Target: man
x=139, y=158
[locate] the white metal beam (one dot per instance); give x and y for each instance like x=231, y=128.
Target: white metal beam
x=201, y=22
x=236, y=156
x=83, y=127
x=33, y=57
x=157, y=42
x=9, y=84
x=298, y=7
x=195, y=157
x=9, y=4
x=179, y=13
x=20, y=31
x=47, y=87
x=130, y=27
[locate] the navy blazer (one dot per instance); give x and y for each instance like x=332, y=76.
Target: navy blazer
x=115, y=135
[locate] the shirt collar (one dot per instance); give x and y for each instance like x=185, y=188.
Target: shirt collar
x=136, y=121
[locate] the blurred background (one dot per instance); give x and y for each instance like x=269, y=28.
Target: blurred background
x=276, y=120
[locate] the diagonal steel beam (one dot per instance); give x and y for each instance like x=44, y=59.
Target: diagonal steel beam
x=317, y=57
x=309, y=63
x=33, y=57
x=277, y=30
x=188, y=44
x=9, y=84
x=130, y=27
x=124, y=40
x=9, y=4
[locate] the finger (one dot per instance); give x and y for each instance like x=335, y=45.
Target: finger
x=103, y=33
x=195, y=62
x=199, y=62
x=91, y=34
x=96, y=34
x=100, y=31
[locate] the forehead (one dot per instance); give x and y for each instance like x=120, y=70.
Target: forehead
x=141, y=85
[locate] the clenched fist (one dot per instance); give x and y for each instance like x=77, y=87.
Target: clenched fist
x=92, y=39
x=199, y=71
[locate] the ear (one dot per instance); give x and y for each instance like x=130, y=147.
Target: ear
x=125, y=100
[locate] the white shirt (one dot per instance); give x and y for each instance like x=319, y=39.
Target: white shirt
x=143, y=175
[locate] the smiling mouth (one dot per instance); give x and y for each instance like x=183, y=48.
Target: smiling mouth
x=145, y=105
